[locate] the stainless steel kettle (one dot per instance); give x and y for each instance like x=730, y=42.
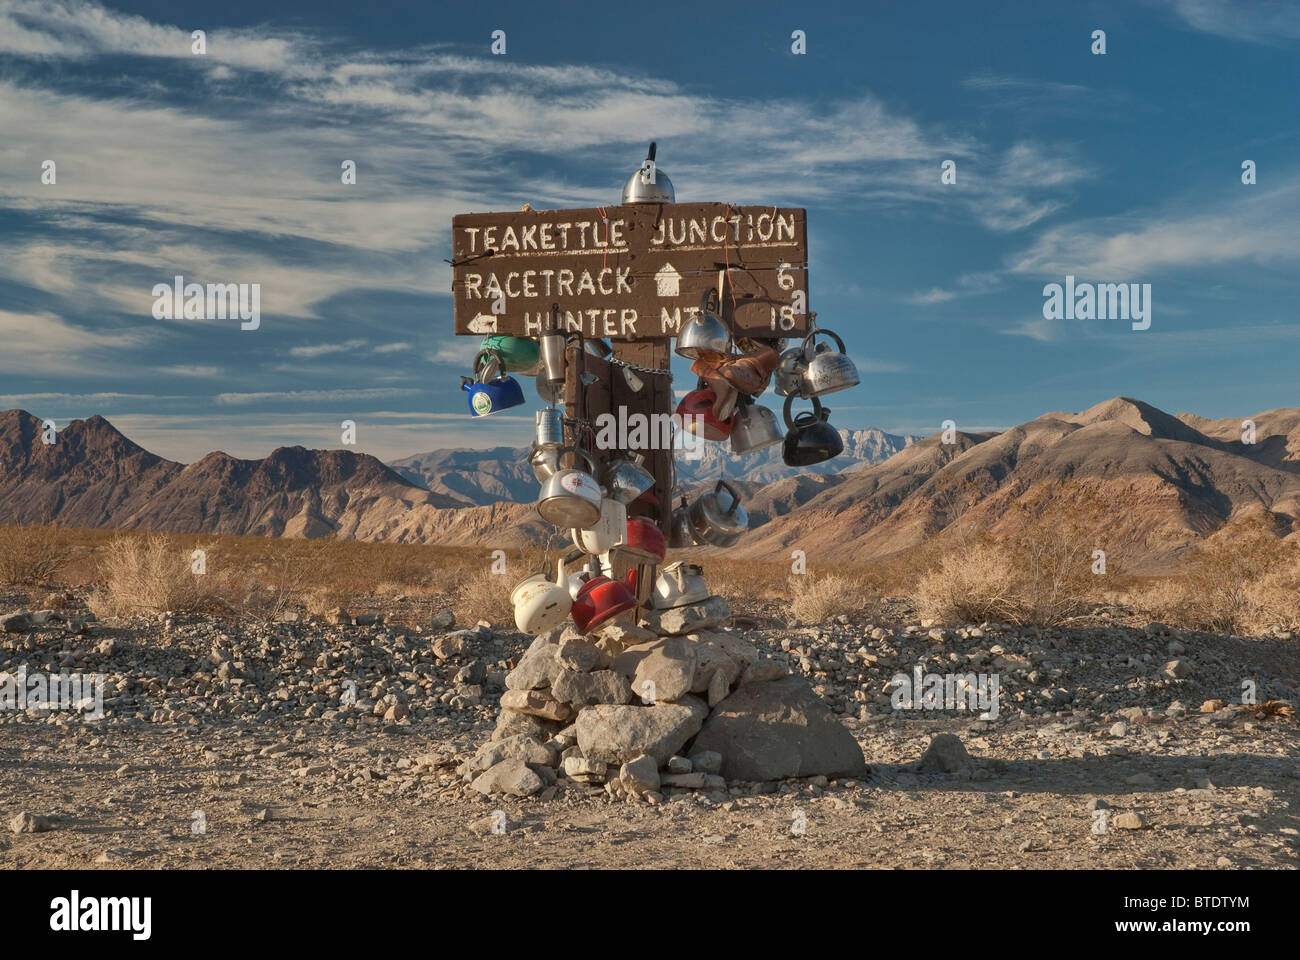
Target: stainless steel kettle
x=826, y=370
x=717, y=517
x=649, y=184
x=704, y=332
x=571, y=497
x=788, y=379
x=753, y=427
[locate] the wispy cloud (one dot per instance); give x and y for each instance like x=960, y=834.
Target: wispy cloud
x=1270, y=22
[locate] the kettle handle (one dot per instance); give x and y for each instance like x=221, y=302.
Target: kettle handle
x=735, y=495
x=809, y=340
x=578, y=451
x=816, y=410
x=501, y=364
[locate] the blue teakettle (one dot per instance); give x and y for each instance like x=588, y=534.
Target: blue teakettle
x=490, y=396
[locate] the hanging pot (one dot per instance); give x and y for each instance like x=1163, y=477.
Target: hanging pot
x=680, y=534
x=492, y=397
x=703, y=333
x=626, y=479
x=717, y=517
x=550, y=427
x=541, y=604
x=601, y=599
x=697, y=413
x=571, y=497
x=518, y=354
x=607, y=532
x=826, y=370
x=788, y=380
x=809, y=437
x=544, y=461
x=680, y=584
x=552, y=391
x=753, y=428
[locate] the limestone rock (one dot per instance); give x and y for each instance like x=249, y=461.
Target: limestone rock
x=779, y=729
x=667, y=665
x=945, y=754
x=536, y=704
x=619, y=733
x=712, y=612
x=537, y=668
x=640, y=774
x=513, y=777
x=583, y=689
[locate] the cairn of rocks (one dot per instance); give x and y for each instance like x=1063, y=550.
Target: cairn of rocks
x=676, y=702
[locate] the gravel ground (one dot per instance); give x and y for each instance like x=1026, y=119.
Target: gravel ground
x=230, y=744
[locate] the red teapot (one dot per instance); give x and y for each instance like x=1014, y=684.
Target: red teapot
x=700, y=403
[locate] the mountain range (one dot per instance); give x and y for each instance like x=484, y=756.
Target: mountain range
x=1165, y=482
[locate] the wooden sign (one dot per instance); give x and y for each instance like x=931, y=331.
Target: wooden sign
x=631, y=272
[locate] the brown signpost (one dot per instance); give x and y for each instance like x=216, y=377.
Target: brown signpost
x=632, y=272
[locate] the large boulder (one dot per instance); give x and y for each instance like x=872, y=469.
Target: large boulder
x=618, y=733
x=779, y=729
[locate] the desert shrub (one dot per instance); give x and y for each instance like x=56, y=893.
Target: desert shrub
x=484, y=595
x=1042, y=573
x=1245, y=580
x=31, y=554
x=151, y=574
x=816, y=598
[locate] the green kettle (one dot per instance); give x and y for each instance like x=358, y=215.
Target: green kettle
x=520, y=354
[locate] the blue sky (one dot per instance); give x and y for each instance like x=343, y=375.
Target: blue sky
x=224, y=168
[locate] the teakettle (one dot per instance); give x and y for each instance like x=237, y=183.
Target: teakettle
x=544, y=461
x=717, y=517
x=489, y=392
x=518, y=354
x=810, y=438
x=541, y=604
x=627, y=478
x=601, y=599
x=550, y=427
x=788, y=378
x=571, y=497
x=753, y=428
x=649, y=184
x=826, y=370
x=607, y=532
x=643, y=541
x=700, y=403
x=680, y=583
x=680, y=534
x=704, y=332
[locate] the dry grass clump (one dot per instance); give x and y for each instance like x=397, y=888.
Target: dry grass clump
x=31, y=554
x=151, y=574
x=484, y=595
x=1042, y=574
x=1245, y=581
x=817, y=597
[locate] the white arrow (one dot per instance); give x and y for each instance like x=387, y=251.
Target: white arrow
x=483, y=323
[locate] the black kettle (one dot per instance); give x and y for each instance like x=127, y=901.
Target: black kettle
x=809, y=437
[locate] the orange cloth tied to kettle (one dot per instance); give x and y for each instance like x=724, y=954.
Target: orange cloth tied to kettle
x=748, y=374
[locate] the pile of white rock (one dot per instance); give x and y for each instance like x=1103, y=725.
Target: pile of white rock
x=679, y=702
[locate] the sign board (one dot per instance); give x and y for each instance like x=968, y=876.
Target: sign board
x=631, y=272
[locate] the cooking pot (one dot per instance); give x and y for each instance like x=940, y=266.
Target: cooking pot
x=680, y=584
x=626, y=479
x=608, y=532
x=703, y=333
x=717, y=517
x=571, y=497
x=518, y=354
x=753, y=428
x=826, y=370
x=809, y=437
x=680, y=534
x=541, y=604
x=601, y=599
x=700, y=403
